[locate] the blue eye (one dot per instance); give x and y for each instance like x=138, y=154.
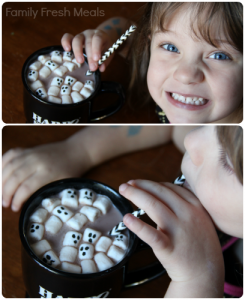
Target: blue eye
x=171, y=48
x=219, y=56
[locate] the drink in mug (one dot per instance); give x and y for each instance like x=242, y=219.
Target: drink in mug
x=70, y=232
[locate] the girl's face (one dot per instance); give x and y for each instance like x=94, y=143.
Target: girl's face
x=191, y=80
x=210, y=176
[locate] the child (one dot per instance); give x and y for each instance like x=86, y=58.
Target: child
x=186, y=242
x=188, y=56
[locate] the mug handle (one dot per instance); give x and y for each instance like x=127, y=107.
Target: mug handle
x=144, y=274
x=109, y=87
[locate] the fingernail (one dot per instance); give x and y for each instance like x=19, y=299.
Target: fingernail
x=67, y=48
x=127, y=219
x=80, y=59
x=93, y=66
x=4, y=204
x=122, y=187
x=14, y=208
x=131, y=182
x=96, y=57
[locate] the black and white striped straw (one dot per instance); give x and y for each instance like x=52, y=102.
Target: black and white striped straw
x=114, y=47
x=137, y=213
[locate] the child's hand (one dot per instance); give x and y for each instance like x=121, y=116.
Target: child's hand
x=26, y=170
x=95, y=42
x=185, y=241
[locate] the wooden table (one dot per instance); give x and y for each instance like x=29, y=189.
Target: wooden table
x=158, y=164
x=24, y=33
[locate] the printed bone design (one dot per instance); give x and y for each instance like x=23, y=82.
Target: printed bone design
x=121, y=226
x=114, y=47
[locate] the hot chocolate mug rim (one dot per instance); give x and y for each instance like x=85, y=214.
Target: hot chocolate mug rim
x=46, y=50
x=58, y=186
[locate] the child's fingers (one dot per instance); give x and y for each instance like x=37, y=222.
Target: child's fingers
x=66, y=41
x=153, y=237
x=11, y=167
x=77, y=46
x=14, y=181
x=97, y=45
x=88, y=48
x=9, y=155
x=166, y=194
x=26, y=189
x=154, y=208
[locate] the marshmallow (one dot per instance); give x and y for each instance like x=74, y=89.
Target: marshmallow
x=68, y=254
x=36, y=85
x=86, y=251
x=77, y=86
x=89, y=84
x=103, y=244
x=39, y=216
x=53, y=225
x=51, y=65
x=121, y=241
x=76, y=97
x=77, y=222
x=103, y=203
x=65, y=90
x=66, y=99
x=91, y=213
x=50, y=203
x=70, y=268
x=103, y=262
x=41, y=247
x=63, y=213
x=86, y=92
x=70, y=80
x=72, y=238
x=53, y=91
x=56, y=56
x=35, y=66
x=41, y=92
x=88, y=266
x=57, y=81
x=36, y=231
x=77, y=63
x=54, y=99
x=68, y=56
x=69, y=65
x=51, y=259
x=69, y=198
x=86, y=196
x=91, y=235
x=44, y=72
x=32, y=75
x=61, y=70
x=116, y=253
x=43, y=58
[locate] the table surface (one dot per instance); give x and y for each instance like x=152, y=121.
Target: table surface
x=157, y=164
x=23, y=33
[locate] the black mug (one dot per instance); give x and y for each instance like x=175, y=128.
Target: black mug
x=45, y=281
x=44, y=112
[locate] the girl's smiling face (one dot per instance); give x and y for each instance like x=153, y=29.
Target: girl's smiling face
x=191, y=80
x=210, y=176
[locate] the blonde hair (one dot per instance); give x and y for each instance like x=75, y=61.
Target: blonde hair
x=203, y=20
x=231, y=140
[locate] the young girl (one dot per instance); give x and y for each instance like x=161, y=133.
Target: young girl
x=186, y=242
x=186, y=56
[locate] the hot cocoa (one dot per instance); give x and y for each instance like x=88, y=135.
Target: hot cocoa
x=57, y=77
x=70, y=232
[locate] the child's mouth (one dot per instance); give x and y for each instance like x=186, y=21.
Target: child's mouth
x=196, y=101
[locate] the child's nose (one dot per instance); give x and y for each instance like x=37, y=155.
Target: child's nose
x=188, y=72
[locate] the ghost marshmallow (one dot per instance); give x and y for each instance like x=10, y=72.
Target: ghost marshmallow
x=72, y=238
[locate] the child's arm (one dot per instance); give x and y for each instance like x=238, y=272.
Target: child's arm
x=185, y=241
x=97, y=41
x=24, y=171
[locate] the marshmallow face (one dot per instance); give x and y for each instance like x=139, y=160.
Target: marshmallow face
x=72, y=238
x=69, y=198
x=32, y=75
x=41, y=93
x=56, y=56
x=51, y=65
x=86, y=196
x=86, y=251
x=65, y=90
x=51, y=259
x=70, y=80
x=68, y=56
x=63, y=213
x=121, y=241
x=89, y=84
x=36, y=231
x=57, y=81
x=91, y=236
